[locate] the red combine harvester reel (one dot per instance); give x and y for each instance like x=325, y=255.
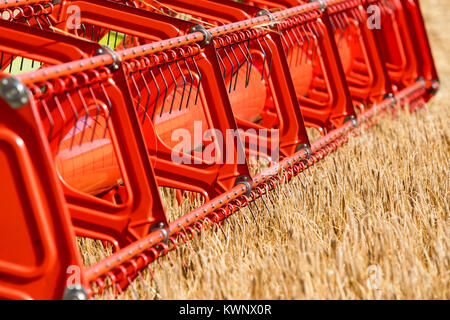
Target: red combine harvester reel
x=95, y=96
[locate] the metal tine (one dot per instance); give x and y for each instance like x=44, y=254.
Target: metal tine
x=340, y=26
x=72, y=105
x=157, y=93
x=265, y=204
x=91, y=91
x=344, y=26
x=99, y=34
x=333, y=25
x=322, y=32
x=285, y=43
x=338, y=21
x=225, y=220
x=11, y=64
x=108, y=101
x=299, y=44
x=192, y=80
x=26, y=21
x=308, y=40
x=271, y=201
x=1, y=60
x=48, y=21
x=154, y=279
x=253, y=215
x=109, y=37
x=223, y=231
x=115, y=40
x=271, y=56
x=149, y=94
x=250, y=60
x=37, y=21
x=63, y=116
x=224, y=68
x=137, y=91
x=199, y=78
x=239, y=65
x=174, y=89
x=184, y=83
x=21, y=63
x=86, y=110
x=257, y=208
x=93, y=33
x=352, y=14
x=315, y=38
x=292, y=43
x=360, y=15
x=246, y=59
x=312, y=26
x=346, y=20
x=302, y=49
x=84, y=30
x=133, y=288
x=264, y=60
x=231, y=62
x=50, y=119
x=238, y=223
x=227, y=39
x=165, y=92
x=357, y=15
x=141, y=278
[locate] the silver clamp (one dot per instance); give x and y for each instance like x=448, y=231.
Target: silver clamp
x=265, y=12
x=306, y=147
x=435, y=84
x=14, y=92
x=247, y=182
x=161, y=226
x=392, y=97
x=323, y=5
x=75, y=292
x=353, y=119
x=207, y=37
x=105, y=49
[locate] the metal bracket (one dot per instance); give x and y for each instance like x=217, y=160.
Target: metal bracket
x=161, y=226
x=305, y=147
x=75, y=292
x=265, y=12
x=14, y=92
x=247, y=182
x=207, y=37
x=353, y=119
x=105, y=49
x=435, y=84
x=323, y=5
x=422, y=80
x=390, y=96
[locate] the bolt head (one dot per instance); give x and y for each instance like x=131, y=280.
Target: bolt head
x=13, y=92
x=75, y=292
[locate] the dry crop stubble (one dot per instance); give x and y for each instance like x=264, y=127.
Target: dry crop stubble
x=371, y=221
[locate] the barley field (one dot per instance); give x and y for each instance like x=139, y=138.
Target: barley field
x=371, y=221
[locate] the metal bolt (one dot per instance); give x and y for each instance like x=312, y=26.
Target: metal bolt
x=13, y=92
x=75, y=292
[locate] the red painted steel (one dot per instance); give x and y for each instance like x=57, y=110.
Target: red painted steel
x=253, y=67
x=86, y=146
